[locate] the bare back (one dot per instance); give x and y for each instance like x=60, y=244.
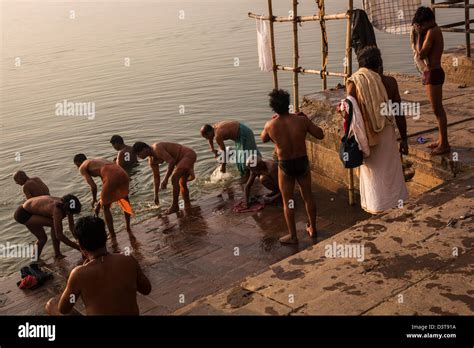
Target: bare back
x=42, y=205
x=35, y=187
x=108, y=285
x=93, y=166
x=175, y=150
x=227, y=130
x=288, y=132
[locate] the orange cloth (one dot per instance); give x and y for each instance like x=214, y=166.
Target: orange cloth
x=115, y=183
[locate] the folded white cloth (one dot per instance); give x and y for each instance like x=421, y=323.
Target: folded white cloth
x=357, y=127
x=264, y=45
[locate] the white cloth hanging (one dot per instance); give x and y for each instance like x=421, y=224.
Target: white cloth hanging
x=264, y=45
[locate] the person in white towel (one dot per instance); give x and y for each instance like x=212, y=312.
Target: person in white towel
x=382, y=184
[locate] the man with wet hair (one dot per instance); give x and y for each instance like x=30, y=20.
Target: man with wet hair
x=288, y=132
x=267, y=172
x=46, y=211
x=243, y=138
x=126, y=158
x=115, y=183
x=32, y=187
x=108, y=283
x=180, y=161
x=429, y=48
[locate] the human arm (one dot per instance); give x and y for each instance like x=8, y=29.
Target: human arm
x=143, y=283
x=90, y=182
x=248, y=186
x=155, y=168
x=221, y=144
x=265, y=135
x=58, y=228
x=427, y=44
x=165, y=155
x=314, y=130
x=71, y=293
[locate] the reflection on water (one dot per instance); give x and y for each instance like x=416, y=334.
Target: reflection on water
x=151, y=76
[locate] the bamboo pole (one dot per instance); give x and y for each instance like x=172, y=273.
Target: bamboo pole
x=324, y=43
x=272, y=44
x=295, y=57
x=348, y=71
x=468, y=34
x=300, y=18
x=311, y=71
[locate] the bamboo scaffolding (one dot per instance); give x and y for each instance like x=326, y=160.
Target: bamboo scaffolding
x=299, y=19
x=348, y=72
x=324, y=42
x=296, y=102
x=468, y=31
x=272, y=45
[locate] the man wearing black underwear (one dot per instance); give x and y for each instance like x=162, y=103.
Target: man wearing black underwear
x=288, y=132
x=47, y=211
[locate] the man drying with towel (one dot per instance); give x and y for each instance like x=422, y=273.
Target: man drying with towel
x=382, y=184
x=115, y=182
x=243, y=137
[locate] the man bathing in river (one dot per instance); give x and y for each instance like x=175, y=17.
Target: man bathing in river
x=428, y=48
x=46, y=211
x=115, y=183
x=243, y=137
x=288, y=132
x=267, y=173
x=180, y=161
x=126, y=158
x=32, y=187
x=107, y=283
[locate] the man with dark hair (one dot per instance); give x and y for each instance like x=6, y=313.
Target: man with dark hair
x=125, y=157
x=267, y=173
x=46, y=211
x=288, y=132
x=32, y=187
x=107, y=283
x=115, y=183
x=382, y=184
x=243, y=138
x=180, y=161
x=429, y=48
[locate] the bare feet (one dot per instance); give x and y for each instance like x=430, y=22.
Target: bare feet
x=59, y=257
x=172, y=209
x=440, y=150
x=311, y=232
x=289, y=239
x=433, y=145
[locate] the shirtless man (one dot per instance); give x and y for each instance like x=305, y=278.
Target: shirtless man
x=288, y=132
x=243, y=137
x=114, y=187
x=32, y=187
x=429, y=48
x=180, y=161
x=126, y=158
x=46, y=211
x=267, y=173
x=107, y=283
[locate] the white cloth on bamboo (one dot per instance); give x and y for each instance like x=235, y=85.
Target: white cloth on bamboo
x=391, y=16
x=264, y=45
x=357, y=127
x=382, y=183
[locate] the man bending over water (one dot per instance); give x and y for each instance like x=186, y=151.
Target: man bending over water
x=115, y=182
x=288, y=132
x=267, y=173
x=32, y=187
x=107, y=283
x=180, y=161
x=46, y=211
x=243, y=137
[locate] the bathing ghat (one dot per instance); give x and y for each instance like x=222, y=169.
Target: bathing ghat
x=210, y=260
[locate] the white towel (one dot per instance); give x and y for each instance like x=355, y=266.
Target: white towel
x=357, y=128
x=264, y=46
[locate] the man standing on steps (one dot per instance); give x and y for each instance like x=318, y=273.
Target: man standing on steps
x=288, y=132
x=429, y=48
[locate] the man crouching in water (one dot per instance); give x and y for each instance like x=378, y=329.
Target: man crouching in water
x=46, y=211
x=107, y=283
x=267, y=172
x=288, y=132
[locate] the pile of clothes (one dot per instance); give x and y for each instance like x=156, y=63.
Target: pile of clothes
x=32, y=277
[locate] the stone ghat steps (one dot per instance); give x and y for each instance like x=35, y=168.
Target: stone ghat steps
x=413, y=265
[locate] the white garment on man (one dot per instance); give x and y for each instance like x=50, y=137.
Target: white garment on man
x=382, y=183
x=264, y=46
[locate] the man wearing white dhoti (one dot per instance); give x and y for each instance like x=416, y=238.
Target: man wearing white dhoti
x=382, y=184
